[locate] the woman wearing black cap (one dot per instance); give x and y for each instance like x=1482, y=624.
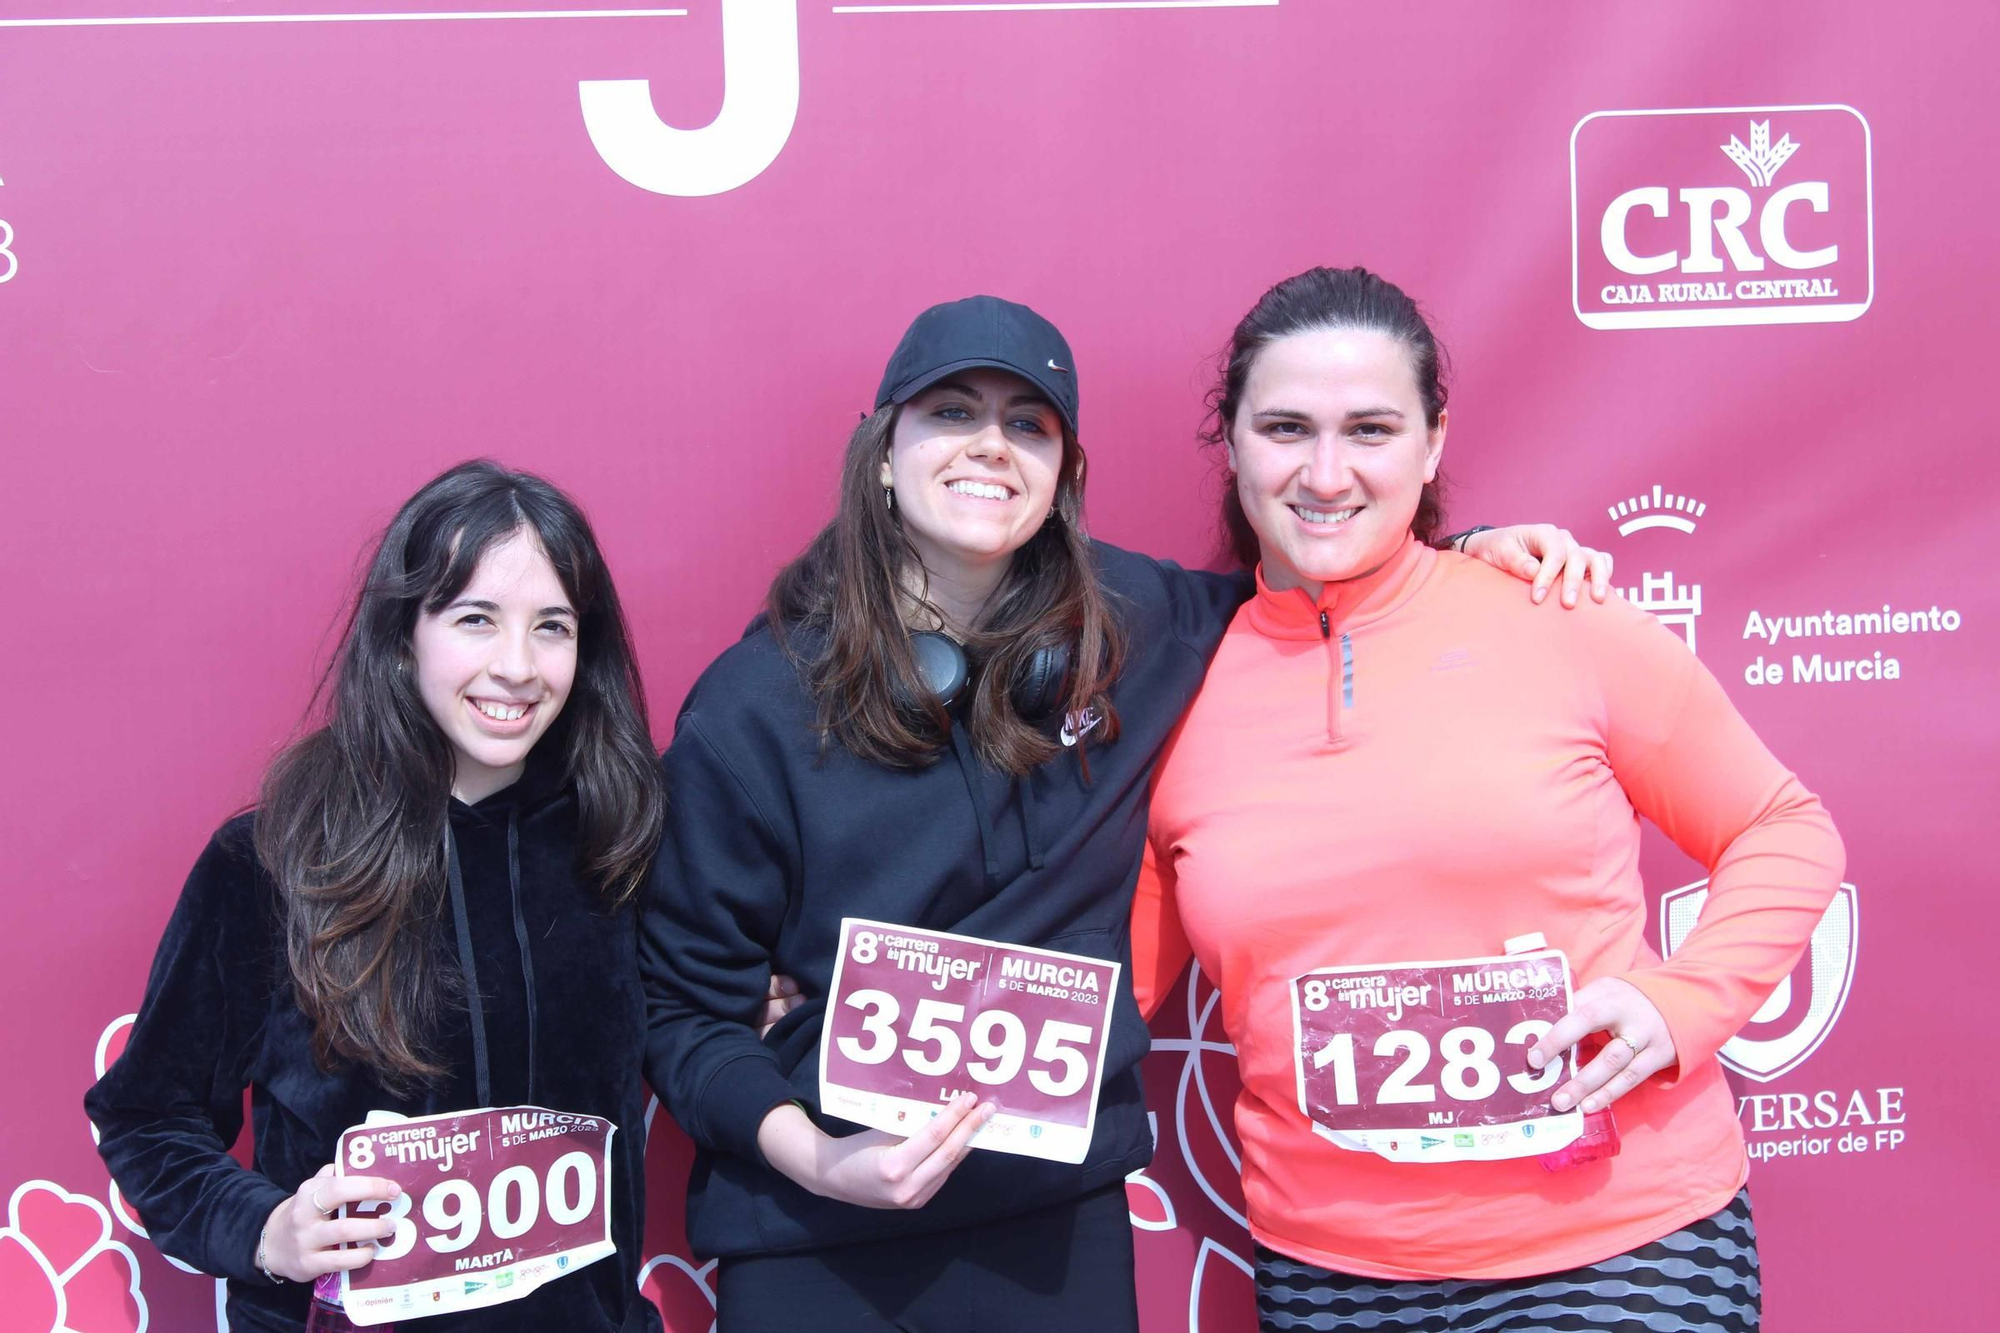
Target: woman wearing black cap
x=948, y=718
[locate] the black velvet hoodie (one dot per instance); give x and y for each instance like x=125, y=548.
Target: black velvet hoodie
x=555, y=1020
x=770, y=843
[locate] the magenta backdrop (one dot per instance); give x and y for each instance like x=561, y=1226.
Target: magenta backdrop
x=261, y=279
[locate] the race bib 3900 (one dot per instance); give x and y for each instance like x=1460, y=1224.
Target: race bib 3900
x=1427, y=1062
x=917, y=1015
x=495, y=1203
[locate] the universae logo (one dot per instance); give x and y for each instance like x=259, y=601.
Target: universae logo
x=1803, y=1008
x=1731, y=215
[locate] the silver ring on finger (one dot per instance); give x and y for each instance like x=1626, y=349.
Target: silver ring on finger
x=1630, y=1044
x=319, y=1207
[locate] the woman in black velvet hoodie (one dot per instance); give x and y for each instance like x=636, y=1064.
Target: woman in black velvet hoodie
x=428, y=911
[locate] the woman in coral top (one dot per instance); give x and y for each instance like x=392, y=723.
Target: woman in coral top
x=1369, y=908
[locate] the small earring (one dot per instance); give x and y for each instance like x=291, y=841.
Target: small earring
x=889, y=498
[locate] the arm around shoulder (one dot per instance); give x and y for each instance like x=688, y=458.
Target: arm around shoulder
x=1197, y=604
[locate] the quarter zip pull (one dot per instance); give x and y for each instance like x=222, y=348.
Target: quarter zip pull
x=1339, y=675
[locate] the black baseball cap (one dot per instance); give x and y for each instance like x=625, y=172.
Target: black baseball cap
x=981, y=331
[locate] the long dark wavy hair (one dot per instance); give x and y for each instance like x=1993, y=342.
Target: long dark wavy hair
x=351, y=821
x=848, y=589
x=1325, y=298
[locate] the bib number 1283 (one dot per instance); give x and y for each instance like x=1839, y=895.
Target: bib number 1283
x=1428, y=1061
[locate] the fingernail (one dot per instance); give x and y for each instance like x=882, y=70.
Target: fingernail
x=1569, y=599
x=1560, y=1101
x=1536, y=1060
x=1539, y=595
x=1591, y=1104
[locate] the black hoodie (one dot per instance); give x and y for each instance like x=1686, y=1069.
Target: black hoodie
x=554, y=1020
x=771, y=841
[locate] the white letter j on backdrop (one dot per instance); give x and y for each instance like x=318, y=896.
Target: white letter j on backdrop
x=760, y=101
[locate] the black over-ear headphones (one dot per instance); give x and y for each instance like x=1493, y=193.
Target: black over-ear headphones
x=1037, y=690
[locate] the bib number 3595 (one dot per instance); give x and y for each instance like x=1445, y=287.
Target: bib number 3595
x=917, y=1015
x=932, y=1044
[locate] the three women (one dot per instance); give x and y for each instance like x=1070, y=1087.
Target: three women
x=476, y=809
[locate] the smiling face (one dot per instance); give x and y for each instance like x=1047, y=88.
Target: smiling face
x=1331, y=453
x=974, y=461
x=495, y=665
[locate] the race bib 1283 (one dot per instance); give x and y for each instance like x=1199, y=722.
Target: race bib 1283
x=495, y=1203
x=917, y=1015
x=1427, y=1062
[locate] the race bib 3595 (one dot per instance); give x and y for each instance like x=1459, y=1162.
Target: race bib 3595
x=917, y=1015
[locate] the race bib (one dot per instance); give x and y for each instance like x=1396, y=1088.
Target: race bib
x=917, y=1015
x=1427, y=1062
x=495, y=1203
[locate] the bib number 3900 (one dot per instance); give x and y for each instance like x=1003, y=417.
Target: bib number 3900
x=494, y=1203
x=1428, y=1061
x=457, y=1216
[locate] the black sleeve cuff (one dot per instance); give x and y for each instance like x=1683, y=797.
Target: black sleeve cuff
x=738, y=1097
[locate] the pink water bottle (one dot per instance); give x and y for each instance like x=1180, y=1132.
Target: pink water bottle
x=1599, y=1139
x=328, y=1314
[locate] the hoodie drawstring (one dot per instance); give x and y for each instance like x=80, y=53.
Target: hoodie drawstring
x=475, y=1003
x=482, y=1074
x=521, y=938
x=1024, y=793
x=968, y=766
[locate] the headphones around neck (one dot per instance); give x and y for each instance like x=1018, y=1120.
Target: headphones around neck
x=1037, y=690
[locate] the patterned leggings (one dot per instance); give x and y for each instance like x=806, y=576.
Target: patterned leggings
x=1701, y=1279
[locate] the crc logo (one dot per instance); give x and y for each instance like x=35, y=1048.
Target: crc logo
x=1741, y=215
x=1802, y=1010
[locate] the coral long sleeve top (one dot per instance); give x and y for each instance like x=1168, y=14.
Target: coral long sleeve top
x=1422, y=765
